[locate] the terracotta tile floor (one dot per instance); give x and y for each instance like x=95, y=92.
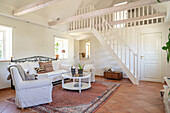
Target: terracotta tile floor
x=129, y=98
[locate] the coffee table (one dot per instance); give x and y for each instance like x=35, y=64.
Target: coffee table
x=76, y=85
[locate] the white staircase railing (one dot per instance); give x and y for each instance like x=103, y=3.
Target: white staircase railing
x=83, y=10
x=137, y=16
x=108, y=29
x=143, y=15
x=128, y=60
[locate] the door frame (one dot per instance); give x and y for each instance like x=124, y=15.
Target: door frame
x=139, y=59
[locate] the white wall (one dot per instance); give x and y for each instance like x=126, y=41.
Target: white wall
x=4, y=83
x=102, y=59
x=99, y=55
x=31, y=40
x=132, y=41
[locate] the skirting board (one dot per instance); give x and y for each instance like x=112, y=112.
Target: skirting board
x=5, y=88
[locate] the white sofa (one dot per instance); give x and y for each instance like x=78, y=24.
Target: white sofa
x=33, y=92
x=55, y=75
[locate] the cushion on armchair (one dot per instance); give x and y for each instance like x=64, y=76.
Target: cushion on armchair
x=88, y=67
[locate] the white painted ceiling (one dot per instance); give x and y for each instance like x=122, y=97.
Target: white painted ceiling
x=60, y=9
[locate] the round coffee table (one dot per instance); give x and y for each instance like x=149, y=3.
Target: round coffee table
x=76, y=85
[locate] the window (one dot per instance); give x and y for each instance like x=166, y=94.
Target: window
x=5, y=42
x=1, y=44
x=61, y=48
x=120, y=15
x=87, y=49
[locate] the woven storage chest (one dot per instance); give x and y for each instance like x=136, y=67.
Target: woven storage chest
x=113, y=75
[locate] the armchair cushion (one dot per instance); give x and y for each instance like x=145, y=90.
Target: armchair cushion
x=88, y=67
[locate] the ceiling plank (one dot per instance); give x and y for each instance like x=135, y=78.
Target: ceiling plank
x=33, y=7
x=105, y=11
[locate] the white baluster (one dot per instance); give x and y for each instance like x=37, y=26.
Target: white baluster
x=156, y=20
x=125, y=55
x=137, y=77
x=76, y=25
x=103, y=28
x=96, y=23
x=143, y=14
x=152, y=10
x=73, y=25
x=135, y=16
x=138, y=11
x=110, y=17
x=84, y=23
x=99, y=24
x=134, y=64
x=121, y=50
x=148, y=10
x=143, y=11
x=93, y=22
x=117, y=47
x=147, y=13
x=131, y=13
x=90, y=22
x=87, y=22
x=129, y=59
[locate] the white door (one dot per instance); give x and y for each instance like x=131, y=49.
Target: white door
x=150, y=57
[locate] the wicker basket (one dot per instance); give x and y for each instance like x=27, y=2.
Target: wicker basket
x=113, y=75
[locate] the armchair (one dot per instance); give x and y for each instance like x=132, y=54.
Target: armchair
x=31, y=93
x=90, y=68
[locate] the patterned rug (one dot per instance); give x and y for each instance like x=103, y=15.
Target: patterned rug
x=65, y=101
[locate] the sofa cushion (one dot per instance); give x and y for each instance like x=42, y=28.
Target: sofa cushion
x=56, y=65
x=56, y=73
x=47, y=66
x=39, y=70
x=32, y=66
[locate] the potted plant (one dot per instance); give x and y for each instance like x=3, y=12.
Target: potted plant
x=80, y=70
x=167, y=47
x=56, y=49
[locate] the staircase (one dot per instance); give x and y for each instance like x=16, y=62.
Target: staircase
x=110, y=29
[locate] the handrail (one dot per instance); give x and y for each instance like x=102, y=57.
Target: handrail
x=102, y=26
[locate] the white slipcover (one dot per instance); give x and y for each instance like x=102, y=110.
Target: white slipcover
x=89, y=68
x=31, y=93
x=55, y=75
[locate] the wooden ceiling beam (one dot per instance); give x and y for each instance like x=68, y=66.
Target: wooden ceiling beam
x=105, y=11
x=33, y=7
